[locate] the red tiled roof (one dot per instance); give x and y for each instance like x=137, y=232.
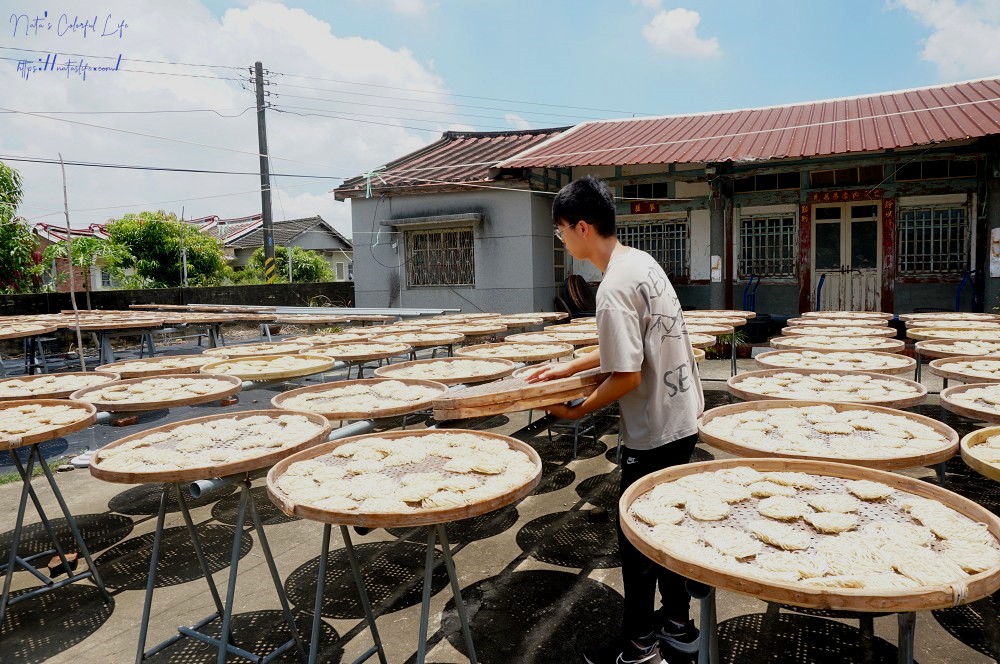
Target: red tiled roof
x=859, y=124
x=457, y=157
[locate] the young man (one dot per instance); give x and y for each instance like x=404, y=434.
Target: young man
x=644, y=346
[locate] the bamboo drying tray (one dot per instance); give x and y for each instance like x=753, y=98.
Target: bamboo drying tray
x=912, y=460
x=544, y=315
x=249, y=350
x=501, y=368
x=771, y=360
x=317, y=364
x=923, y=598
x=20, y=330
x=835, y=322
x=942, y=333
x=401, y=328
x=372, y=351
x=714, y=330
x=985, y=413
x=108, y=377
x=138, y=368
x=412, y=407
x=473, y=329
x=309, y=319
x=714, y=320
x=735, y=388
x=419, y=517
x=8, y=441
x=229, y=385
x=575, y=338
x=946, y=367
x=699, y=354
x=981, y=466
x=109, y=324
x=509, y=351
x=949, y=315
x=193, y=318
x=422, y=339
x=804, y=342
x=848, y=314
x=723, y=313
x=701, y=340
x=514, y=394
x=839, y=331
x=953, y=324
x=355, y=335
x=254, y=460
x=513, y=323
x=956, y=347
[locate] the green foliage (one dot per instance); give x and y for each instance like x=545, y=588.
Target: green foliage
x=307, y=266
x=19, y=267
x=150, y=244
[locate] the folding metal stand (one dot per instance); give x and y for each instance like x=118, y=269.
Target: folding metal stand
x=14, y=560
x=224, y=643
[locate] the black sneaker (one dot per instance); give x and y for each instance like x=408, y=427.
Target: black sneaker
x=683, y=638
x=624, y=651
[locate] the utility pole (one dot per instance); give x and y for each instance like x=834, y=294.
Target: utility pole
x=184, y=255
x=265, y=176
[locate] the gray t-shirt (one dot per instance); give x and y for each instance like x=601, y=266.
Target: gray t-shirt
x=641, y=328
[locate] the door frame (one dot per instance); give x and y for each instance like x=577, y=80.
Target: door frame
x=846, y=228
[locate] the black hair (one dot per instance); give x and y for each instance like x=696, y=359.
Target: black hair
x=587, y=199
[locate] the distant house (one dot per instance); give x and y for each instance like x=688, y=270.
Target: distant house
x=97, y=276
x=312, y=233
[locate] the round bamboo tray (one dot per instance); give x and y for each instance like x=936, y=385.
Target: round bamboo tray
x=419, y=517
x=250, y=350
x=153, y=366
x=847, y=314
x=922, y=598
x=401, y=328
x=474, y=330
x=838, y=322
x=714, y=320
x=10, y=441
x=572, y=326
x=514, y=394
x=376, y=413
x=20, y=330
x=191, y=318
x=973, y=460
x=722, y=313
x=983, y=413
x=734, y=387
x=54, y=392
x=902, y=364
x=954, y=324
x=236, y=367
x=699, y=354
x=355, y=335
x=422, y=339
x=255, y=459
x=912, y=460
x=544, y=315
x=522, y=352
x=949, y=315
x=701, y=340
x=512, y=323
x=501, y=368
x=109, y=324
x=839, y=331
x=956, y=348
x=575, y=338
x=956, y=368
x=807, y=342
x=228, y=386
x=360, y=351
x=714, y=330
x=309, y=319
x=943, y=333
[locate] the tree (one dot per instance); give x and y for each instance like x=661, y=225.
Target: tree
x=86, y=251
x=149, y=243
x=307, y=266
x=19, y=260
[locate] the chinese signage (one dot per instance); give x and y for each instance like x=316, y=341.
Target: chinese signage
x=845, y=195
x=644, y=207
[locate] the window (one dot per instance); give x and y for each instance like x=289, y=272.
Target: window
x=105, y=278
x=340, y=271
x=935, y=169
x=768, y=246
x=442, y=257
x=643, y=191
x=558, y=262
x=350, y=271
x=666, y=241
x=770, y=182
x=846, y=177
x=933, y=240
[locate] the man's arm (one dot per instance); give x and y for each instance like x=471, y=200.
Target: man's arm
x=615, y=387
x=555, y=370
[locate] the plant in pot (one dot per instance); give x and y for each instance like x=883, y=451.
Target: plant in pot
x=723, y=346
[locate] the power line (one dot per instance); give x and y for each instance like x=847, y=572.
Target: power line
x=279, y=109
x=400, y=108
x=146, y=71
x=112, y=57
x=217, y=111
x=94, y=164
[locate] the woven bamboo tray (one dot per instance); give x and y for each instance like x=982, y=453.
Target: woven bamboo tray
x=802, y=342
x=138, y=368
x=977, y=463
x=847, y=314
x=714, y=330
x=771, y=360
x=309, y=319
x=714, y=320
x=954, y=324
x=512, y=323
x=962, y=347
x=255, y=459
x=947, y=367
x=699, y=354
x=834, y=322
x=328, y=412
x=797, y=594
x=108, y=376
x=734, y=386
x=230, y=386
x=575, y=338
x=474, y=329
x=501, y=368
x=20, y=330
x=421, y=517
x=424, y=340
x=356, y=334
x=402, y=328
x=514, y=394
x=509, y=351
x=318, y=364
x=109, y=325
x=191, y=318
x=941, y=333
x=723, y=313
x=947, y=450
x=372, y=351
x=949, y=315
x=985, y=413
x=250, y=350
x=701, y=340
x=12, y=441
x=839, y=331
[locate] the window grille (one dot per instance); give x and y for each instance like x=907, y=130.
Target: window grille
x=558, y=262
x=440, y=257
x=340, y=271
x=933, y=240
x=768, y=246
x=665, y=241
x=105, y=279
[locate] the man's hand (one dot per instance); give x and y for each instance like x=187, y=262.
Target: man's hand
x=564, y=411
x=545, y=372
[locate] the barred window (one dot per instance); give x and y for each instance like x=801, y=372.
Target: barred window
x=105, y=278
x=558, y=261
x=442, y=257
x=665, y=241
x=768, y=246
x=933, y=240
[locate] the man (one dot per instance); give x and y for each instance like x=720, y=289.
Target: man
x=645, y=348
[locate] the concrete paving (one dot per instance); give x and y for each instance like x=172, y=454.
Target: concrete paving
x=541, y=578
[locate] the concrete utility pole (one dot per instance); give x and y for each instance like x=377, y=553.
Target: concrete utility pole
x=265, y=177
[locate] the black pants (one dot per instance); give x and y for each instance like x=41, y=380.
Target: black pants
x=640, y=575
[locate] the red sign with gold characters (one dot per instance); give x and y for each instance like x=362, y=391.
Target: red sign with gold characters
x=644, y=207
x=845, y=195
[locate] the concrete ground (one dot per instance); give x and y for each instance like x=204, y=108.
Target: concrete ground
x=541, y=578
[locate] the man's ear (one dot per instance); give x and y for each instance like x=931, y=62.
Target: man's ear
x=584, y=227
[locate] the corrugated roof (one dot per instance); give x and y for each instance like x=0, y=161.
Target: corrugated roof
x=286, y=231
x=858, y=124
x=457, y=157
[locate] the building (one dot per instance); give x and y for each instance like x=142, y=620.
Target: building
x=94, y=279
x=312, y=233
x=884, y=201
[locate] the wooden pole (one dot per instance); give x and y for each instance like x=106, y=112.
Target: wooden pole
x=69, y=257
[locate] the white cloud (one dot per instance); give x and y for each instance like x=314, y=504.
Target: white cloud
x=649, y=4
x=965, y=37
x=516, y=121
x=285, y=40
x=409, y=7
x=675, y=32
